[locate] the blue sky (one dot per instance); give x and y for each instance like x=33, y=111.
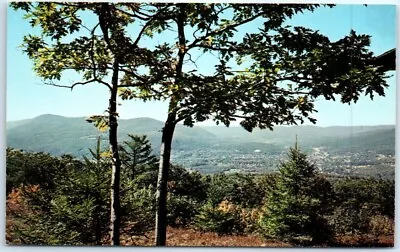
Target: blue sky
x=27, y=97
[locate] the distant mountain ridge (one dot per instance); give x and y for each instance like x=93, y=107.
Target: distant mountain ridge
x=307, y=134
x=73, y=135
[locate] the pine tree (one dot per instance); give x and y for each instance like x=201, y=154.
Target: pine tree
x=136, y=154
x=295, y=209
x=74, y=209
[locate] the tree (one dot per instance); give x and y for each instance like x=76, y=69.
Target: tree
x=187, y=183
x=80, y=198
x=287, y=69
x=138, y=183
x=295, y=209
x=95, y=177
x=187, y=191
x=137, y=153
x=74, y=209
x=63, y=200
x=99, y=54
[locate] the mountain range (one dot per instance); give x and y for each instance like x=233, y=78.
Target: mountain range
x=73, y=135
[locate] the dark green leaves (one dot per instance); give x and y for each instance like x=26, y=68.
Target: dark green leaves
x=295, y=208
x=56, y=21
x=279, y=73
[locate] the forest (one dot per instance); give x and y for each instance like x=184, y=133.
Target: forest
x=257, y=69
x=62, y=200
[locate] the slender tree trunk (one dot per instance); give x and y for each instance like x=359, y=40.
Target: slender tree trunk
x=161, y=197
x=167, y=135
x=115, y=216
x=97, y=232
x=98, y=202
x=134, y=165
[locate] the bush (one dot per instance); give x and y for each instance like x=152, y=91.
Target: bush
x=41, y=229
x=181, y=210
x=60, y=222
x=138, y=210
x=249, y=218
x=357, y=200
x=381, y=225
x=187, y=183
x=69, y=205
x=223, y=219
x=240, y=189
x=25, y=168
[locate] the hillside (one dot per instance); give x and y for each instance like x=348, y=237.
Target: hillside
x=216, y=148
x=308, y=135
x=59, y=135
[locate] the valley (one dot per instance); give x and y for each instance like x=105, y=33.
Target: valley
x=349, y=151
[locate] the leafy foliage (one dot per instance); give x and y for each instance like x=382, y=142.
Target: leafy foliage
x=240, y=189
x=69, y=213
x=185, y=182
x=138, y=210
x=287, y=66
x=359, y=201
x=222, y=219
x=23, y=168
x=181, y=209
x=187, y=189
x=97, y=53
x=290, y=67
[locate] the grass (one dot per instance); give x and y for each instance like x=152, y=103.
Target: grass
x=191, y=238
x=184, y=237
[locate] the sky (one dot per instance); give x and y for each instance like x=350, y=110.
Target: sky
x=27, y=97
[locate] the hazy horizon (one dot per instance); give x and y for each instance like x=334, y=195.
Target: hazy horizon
x=207, y=123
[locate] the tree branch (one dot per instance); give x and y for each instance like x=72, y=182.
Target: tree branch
x=220, y=49
x=151, y=19
x=137, y=76
x=79, y=83
x=91, y=52
x=220, y=31
x=144, y=17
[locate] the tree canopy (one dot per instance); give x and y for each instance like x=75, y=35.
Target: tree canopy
x=265, y=76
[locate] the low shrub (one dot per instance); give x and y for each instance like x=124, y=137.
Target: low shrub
x=249, y=218
x=223, y=219
x=138, y=210
x=381, y=225
x=181, y=210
